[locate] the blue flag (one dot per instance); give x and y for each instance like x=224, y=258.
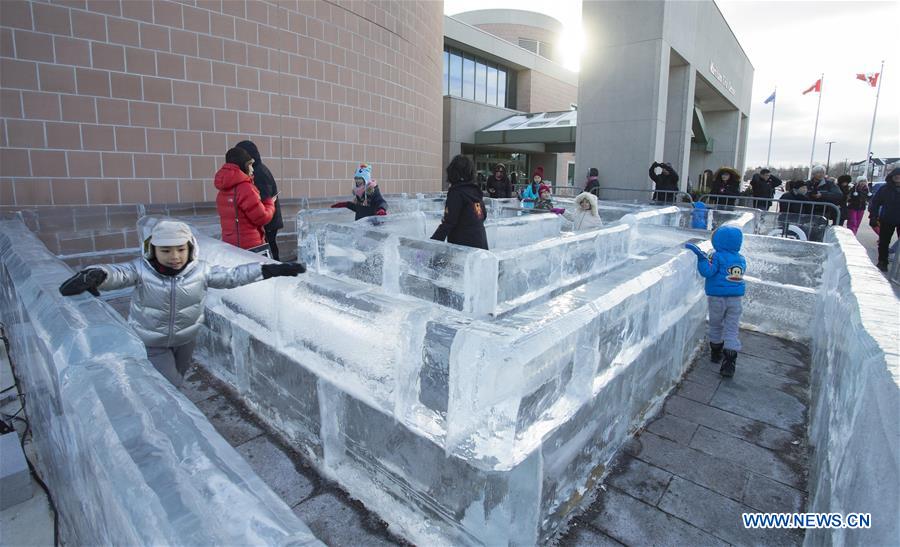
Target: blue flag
x=770, y=99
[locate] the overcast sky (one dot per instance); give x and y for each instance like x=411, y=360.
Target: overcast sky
x=790, y=43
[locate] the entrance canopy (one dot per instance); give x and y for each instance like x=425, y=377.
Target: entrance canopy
x=556, y=130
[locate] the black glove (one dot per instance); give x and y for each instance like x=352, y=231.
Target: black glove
x=85, y=280
x=873, y=221
x=285, y=269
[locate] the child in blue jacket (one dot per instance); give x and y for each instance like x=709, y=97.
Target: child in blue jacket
x=724, y=270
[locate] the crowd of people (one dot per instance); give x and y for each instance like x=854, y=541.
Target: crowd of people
x=172, y=279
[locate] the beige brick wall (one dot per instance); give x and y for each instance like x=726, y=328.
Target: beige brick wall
x=126, y=101
x=538, y=92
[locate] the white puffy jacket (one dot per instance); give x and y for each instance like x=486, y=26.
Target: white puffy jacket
x=581, y=219
x=166, y=311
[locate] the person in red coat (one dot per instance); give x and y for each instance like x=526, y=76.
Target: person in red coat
x=242, y=213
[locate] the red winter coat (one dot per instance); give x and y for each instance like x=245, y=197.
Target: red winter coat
x=242, y=214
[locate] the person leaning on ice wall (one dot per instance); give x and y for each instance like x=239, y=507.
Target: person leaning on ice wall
x=367, y=199
x=170, y=284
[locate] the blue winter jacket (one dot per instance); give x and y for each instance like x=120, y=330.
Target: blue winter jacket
x=529, y=193
x=724, y=268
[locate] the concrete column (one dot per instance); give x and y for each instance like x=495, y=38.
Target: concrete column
x=724, y=128
x=622, y=91
x=679, y=115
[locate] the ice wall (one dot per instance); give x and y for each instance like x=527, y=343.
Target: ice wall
x=128, y=459
x=783, y=280
x=456, y=428
x=854, y=426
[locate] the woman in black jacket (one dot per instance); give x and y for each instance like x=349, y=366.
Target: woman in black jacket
x=464, y=212
x=265, y=183
x=498, y=185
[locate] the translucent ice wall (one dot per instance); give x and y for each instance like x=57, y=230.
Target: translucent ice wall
x=460, y=429
x=128, y=459
x=854, y=426
x=783, y=280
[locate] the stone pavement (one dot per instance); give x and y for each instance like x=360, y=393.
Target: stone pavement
x=334, y=517
x=719, y=448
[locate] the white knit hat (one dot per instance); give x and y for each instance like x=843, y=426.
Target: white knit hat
x=170, y=233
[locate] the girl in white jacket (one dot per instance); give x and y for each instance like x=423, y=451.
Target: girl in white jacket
x=170, y=285
x=585, y=216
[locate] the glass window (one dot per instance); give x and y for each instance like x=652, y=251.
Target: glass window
x=491, y=85
x=501, y=87
x=446, y=72
x=455, y=74
x=468, y=81
x=480, y=82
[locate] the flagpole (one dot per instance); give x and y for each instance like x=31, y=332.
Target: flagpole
x=875, y=113
x=816, y=127
x=771, y=125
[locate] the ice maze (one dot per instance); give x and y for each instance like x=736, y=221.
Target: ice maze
x=467, y=396
x=474, y=397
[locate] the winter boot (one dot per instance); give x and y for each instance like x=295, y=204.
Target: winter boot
x=715, y=351
x=727, y=369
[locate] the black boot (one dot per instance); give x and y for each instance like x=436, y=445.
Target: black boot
x=728, y=363
x=715, y=351
x=883, y=266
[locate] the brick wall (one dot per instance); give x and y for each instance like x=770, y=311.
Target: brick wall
x=538, y=92
x=126, y=101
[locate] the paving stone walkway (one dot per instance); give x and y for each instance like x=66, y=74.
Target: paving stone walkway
x=719, y=448
x=334, y=517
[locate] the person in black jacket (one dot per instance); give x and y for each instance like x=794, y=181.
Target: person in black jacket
x=592, y=183
x=823, y=189
x=666, y=180
x=265, y=183
x=884, y=212
x=499, y=185
x=763, y=185
x=464, y=211
x=367, y=198
x=843, y=183
x=726, y=182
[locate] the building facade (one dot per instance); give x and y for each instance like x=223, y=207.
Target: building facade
x=672, y=85
x=126, y=101
x=511, y=48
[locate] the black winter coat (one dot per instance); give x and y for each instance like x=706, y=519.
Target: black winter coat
x=858, y=201
x=664, y=181
x=764, y=188
x=502, y=188
x=885, y=204
x=464, y=214
x=369, y=204
x=265, y=183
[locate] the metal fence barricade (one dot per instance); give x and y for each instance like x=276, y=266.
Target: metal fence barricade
x=792, y=219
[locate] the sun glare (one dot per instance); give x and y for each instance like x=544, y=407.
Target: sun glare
x=571, y=44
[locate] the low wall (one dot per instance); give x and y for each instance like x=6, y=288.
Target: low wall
x=855, y=416
x=127, y=458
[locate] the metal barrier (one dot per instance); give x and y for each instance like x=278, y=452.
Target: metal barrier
x=647, y=195
x=652, y=196
x=795, y=209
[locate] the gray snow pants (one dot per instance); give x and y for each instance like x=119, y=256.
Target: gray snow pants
x=173, y=362
x=725, y=320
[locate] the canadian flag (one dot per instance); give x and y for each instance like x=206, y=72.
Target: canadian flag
x=870, y=77
x=817, y=87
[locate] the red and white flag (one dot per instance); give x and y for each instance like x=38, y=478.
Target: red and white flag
x=870, y=77
x=817, y=87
